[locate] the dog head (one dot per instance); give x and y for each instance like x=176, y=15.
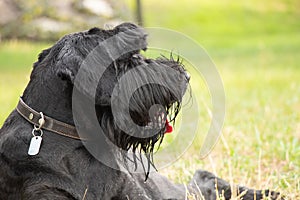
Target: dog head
x=135, y=97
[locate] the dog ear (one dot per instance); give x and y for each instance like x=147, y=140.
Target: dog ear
x=67, y=64
x=69, y=61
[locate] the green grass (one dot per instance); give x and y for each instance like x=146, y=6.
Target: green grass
x=255, y=46
x=16, y=60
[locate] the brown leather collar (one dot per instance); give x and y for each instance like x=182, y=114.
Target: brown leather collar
x=50, y=124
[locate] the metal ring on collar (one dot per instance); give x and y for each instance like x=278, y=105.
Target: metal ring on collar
x=34, y=135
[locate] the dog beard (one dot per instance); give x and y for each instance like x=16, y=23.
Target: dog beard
x=143, y=114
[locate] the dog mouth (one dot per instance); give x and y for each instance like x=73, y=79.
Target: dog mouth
x=160, y=121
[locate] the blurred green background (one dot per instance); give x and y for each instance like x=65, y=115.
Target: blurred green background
x=256, y=48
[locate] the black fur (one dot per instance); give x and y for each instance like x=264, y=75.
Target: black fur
x=64, y=169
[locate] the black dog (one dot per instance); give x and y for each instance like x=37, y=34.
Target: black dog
x=43, y=156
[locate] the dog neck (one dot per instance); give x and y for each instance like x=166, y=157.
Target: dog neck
x=37, y=96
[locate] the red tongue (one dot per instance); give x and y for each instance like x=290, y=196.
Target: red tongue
x=169, y=128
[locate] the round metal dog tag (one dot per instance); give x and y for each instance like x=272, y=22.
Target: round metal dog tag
x=35, y=145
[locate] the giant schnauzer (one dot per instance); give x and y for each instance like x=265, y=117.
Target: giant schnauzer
x=118, y=124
